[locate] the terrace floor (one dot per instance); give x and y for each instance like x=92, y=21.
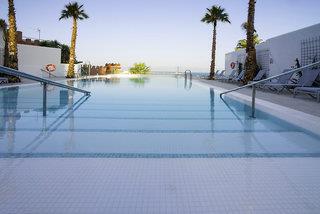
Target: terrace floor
x=302, y=102
x=148, y=185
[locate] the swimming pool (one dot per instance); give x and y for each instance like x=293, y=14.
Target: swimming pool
x=149, y=117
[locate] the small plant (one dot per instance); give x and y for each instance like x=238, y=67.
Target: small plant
x=139, y=68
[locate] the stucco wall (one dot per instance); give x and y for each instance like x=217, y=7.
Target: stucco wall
x=283, y=50
x=34, y=58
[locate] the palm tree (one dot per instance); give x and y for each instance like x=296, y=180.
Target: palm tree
x=76, y=12
x=12, y=41
x=242, y=43
x=213, y=16
x=12, y=37
x=251, y=59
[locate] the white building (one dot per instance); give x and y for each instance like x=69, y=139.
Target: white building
x=279, y=53
x=32, y=58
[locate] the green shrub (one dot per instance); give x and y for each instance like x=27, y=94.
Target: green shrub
x=139, y=68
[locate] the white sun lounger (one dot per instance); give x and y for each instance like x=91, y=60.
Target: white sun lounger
x=260, y=75
x=308, y=90
x=3, y=80
x=306, y=80
x=232, y=75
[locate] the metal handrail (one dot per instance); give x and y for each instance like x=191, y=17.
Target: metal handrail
x=253, y=84
x=186, y=86
x=185, y=72
x=45, y=82
x=14, y=72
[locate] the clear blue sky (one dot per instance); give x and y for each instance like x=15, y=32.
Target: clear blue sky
x=160, y=33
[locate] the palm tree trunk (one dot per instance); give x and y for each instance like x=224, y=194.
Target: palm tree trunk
x=12, y=40
x=213, y=51
x=251, y=60
x=12, y=37
x=72, y=57
x=6, y=48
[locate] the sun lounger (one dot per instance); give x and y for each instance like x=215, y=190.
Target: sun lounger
x=308, y=90
x=218, y=74
x=237, y=77
x=276, y=84
x=228, y=77
x=240, y=76
x=3, y=80
x=306, y=80
x=260, y=75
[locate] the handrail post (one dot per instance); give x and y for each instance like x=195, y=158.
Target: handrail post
x=253, y=101
x=44, y=100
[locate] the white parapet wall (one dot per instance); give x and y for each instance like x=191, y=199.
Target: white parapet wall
x=279, y=53
x=34, y=58
x=63, y=68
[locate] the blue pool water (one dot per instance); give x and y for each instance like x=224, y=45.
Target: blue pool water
x=153, y=116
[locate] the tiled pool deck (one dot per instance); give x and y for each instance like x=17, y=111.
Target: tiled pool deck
x=199, y=185
x=302, y=102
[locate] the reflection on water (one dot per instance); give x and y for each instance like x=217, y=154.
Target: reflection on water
x=112, y=81
x=212, y=107
x=88, y=82
x=139, y=81
x=13, y=105
x=187, y=82
x=9, y=114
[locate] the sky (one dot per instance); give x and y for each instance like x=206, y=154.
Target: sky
x=164, y=33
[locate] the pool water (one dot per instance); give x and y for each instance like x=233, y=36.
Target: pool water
x=151, y=116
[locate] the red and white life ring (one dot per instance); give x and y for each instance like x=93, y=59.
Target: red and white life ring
x=232, y=65
x=50, y=67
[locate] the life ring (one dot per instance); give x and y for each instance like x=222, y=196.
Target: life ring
x=232, y=65
x=50, y=67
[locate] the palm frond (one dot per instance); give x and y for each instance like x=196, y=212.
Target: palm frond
x=215, y=14
x=74, y=10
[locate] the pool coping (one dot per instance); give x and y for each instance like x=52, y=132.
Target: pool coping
x=295, y=117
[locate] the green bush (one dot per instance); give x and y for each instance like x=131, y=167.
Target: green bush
x=139, y=68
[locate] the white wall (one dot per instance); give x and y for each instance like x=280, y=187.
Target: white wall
x=34, y=58
x=283, y=50
x=63, y=68
x=236, y=56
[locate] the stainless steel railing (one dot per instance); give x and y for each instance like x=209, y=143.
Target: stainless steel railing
x=186, y=85
x=44, y=82
x=253, y=84
x=186, y=71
